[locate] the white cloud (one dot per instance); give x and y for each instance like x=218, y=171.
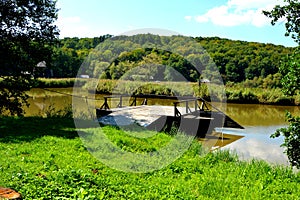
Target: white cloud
x=239, y=12
x=76, y=27
x=251, y=147
x=188, y=18
x=202, y=19
x=70, y=26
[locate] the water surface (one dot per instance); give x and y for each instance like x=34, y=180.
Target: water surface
x=260, y=121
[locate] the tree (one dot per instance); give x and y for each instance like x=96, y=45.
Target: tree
x=290, y=69
x=291, y=13
x=27, y=32
x=291, y=140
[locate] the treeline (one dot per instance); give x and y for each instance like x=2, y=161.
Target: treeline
x=69, y=54
x=237, y=61
x=240, y=60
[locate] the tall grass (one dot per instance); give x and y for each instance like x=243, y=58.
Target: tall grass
x=139, y=87
x=235, y=93
x=58, y=82
x=156, y=88
x=45, y=159
x=259, y=95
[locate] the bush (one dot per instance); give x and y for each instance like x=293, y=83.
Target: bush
x=241, y=96
x=292, y=139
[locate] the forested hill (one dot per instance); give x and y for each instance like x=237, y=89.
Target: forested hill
x=236, y=60
x=240, y=60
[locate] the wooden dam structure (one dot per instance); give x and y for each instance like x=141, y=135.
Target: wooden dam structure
x=191, y=115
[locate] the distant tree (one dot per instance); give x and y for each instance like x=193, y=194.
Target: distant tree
x=65, y=62
x=240, y=60
x=27, y=31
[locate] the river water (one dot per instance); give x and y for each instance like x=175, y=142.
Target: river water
x=260, y=121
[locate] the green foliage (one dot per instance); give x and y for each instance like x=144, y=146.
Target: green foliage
x=70, y=53
x=241, y=92
x=250, y=91
x=241, y=96
x=291, y=139
x=27, y=33
x=151, y=62
x=12, y=96
x=47, y=160
x=290, y=66
x=291, y=12
x=238, y=61
x=52, y=112
x=235, y=60
x=290, y=69
x=139, y=87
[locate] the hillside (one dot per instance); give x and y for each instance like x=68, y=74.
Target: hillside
x=236, y=60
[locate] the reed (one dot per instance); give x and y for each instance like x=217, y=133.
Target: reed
x=58, y=82
x=235, y=93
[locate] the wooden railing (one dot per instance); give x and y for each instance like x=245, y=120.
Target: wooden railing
x=105, y=105
x=199, y=103
x=203, y=106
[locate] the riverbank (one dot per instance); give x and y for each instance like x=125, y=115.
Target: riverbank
x=234, y=93
x=45, y=158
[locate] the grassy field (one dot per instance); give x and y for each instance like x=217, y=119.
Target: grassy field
x=43, y=158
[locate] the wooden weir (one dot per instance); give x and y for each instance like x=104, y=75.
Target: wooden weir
x=198, y=119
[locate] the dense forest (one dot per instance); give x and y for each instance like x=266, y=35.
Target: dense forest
x=237, y=61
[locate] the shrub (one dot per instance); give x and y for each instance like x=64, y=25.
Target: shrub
x=291, y=139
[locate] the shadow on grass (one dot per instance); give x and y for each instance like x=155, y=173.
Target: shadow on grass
x=25, y=129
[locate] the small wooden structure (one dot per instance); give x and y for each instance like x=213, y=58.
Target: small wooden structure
x=199, y=119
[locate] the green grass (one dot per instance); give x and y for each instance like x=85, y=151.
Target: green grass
x=43, y=158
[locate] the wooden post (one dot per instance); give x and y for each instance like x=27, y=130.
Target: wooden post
x=145, y=102
x=186, y=107
x=105, y=105
x=134, y=102
x=121, y=102
x=176, y=111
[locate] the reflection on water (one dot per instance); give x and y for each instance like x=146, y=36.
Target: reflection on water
x=260, y=121
x=260, y=115
x=258, y=144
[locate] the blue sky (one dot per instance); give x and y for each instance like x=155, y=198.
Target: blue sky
x=232, y=19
